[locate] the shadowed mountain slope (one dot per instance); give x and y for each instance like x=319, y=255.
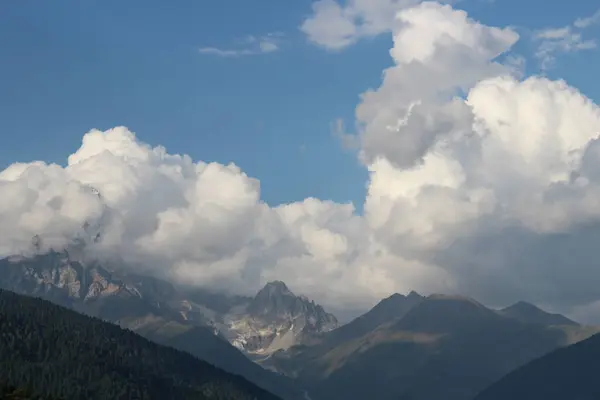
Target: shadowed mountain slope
x=528, y=312
x=55, y=352
x=146, y=305
x=439, y=347
x=568, y=373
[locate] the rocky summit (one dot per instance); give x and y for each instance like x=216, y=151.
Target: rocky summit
x=276, y=319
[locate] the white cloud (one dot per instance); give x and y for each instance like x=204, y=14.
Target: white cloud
x=252, y=45
x=335, y=26
x=568, y=39
x=480, y=183
x=587, y=21
x=437, y=51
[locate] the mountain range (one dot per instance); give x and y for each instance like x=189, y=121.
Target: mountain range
x=409, y=347
x=423, y=348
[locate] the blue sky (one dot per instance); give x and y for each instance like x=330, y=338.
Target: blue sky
x=68, y=66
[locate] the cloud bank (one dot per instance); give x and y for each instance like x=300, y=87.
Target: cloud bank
x=480, y=183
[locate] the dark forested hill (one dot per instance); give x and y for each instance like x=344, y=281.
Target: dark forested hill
x=52, y=352
x=568, y=373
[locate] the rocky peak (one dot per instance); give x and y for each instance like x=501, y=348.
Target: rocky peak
x=284, y=317
x=275, y=288
x=276, y=319
x=275, y=301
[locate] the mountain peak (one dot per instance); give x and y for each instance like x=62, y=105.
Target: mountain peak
x=440, y=313
x=280, y=319
x=276, y=286
x=394, y=297
x=276, y=301
x=523, y=305
x=527, y=312
x=275, y=298
x=392, y=308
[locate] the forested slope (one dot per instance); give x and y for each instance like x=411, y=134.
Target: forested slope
x=53, y=352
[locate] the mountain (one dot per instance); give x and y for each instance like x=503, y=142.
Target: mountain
x=276, y=319
x=435, y=347
x=528, y=312
x=148, y=306
x=388, y=309
x=567, y=373
x=55, y=352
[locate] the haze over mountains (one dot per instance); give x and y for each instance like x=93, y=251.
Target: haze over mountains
x=410, y=347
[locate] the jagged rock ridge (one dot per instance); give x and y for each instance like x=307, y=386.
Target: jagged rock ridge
x=276, y=319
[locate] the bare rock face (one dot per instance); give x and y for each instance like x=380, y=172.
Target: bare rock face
x=63, y=278
x=276, y=319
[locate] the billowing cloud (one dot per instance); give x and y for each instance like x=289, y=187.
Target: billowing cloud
x=438, y=52
x=481, y=183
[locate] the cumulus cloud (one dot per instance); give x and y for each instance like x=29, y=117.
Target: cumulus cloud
x=568, y=39
x=438, y=52
x=250, y=45
x=481, y=183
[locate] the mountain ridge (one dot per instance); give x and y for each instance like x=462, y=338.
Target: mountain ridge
x=523, y=310
x=436, y=347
